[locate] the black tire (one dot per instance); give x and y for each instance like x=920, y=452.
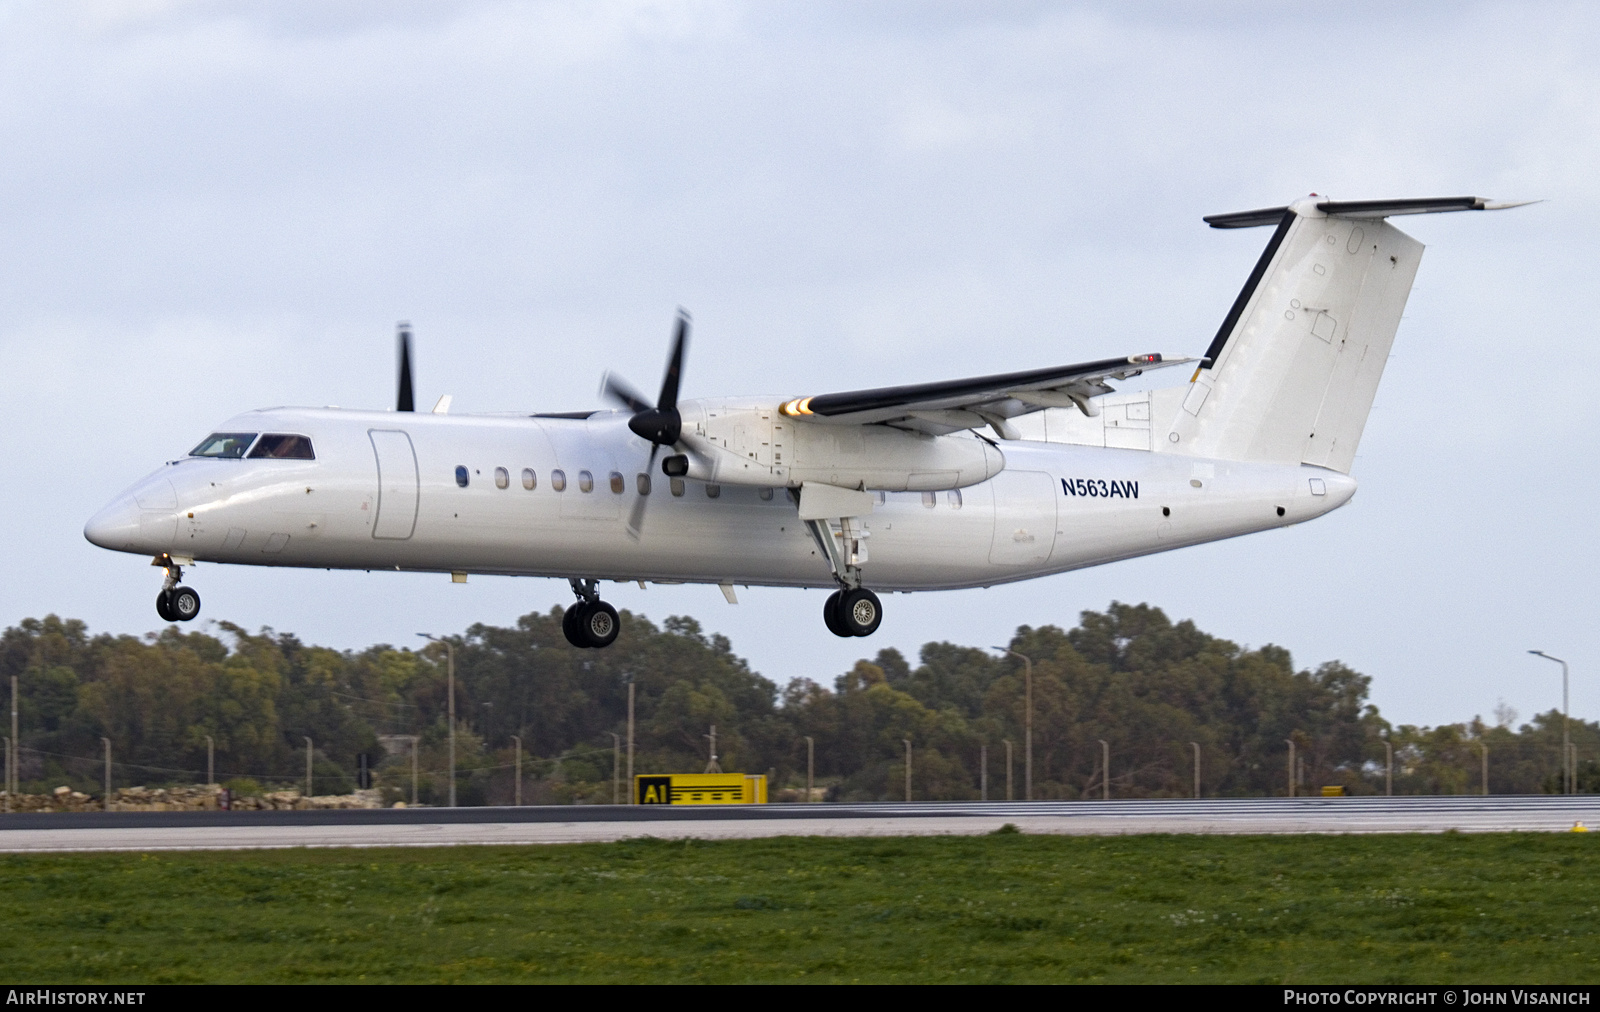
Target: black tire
x=598, y=624
x=569, y=627
x=164, y=607
x=830, y=616
x=860, y=611
x=184, y=604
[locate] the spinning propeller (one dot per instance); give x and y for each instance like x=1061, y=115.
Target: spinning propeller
x=659, y=424
x=404, y=401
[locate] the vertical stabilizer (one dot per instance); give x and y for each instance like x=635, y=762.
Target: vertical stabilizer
x=1291, y=374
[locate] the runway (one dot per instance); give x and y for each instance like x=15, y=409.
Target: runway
x=438, y=827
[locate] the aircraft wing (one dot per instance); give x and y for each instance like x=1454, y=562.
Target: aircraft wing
x=953, y=405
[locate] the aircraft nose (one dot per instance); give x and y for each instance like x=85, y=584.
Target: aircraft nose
x=115, y=527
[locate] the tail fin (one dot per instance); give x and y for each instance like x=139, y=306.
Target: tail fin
x=1292, y=373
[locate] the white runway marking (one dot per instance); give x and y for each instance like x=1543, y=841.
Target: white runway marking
x=547, y=825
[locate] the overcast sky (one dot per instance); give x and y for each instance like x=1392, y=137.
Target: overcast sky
x=210, y=207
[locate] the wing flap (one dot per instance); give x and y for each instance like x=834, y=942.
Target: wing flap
x=976, y=402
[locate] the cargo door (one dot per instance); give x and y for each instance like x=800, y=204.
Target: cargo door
x=1024, y=518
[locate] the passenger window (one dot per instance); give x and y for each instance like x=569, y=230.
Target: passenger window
x=617, y=484
x=224, y=444
x=643, y=483
x=713, y=491
x=558, y=480
x=530, y=481
x=462, y=477
x=953, y=497
x=283, y=447
x=930, y=499
x=502, y=478
x=676, y=484
x=765, y=494
x=585, y=481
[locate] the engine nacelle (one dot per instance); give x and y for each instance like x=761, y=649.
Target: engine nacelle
x=748, y=442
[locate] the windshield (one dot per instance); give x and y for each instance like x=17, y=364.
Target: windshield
x=224, y=444
x=284, y=447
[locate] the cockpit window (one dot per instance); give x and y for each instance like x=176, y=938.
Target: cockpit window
x=283, y=447
x=224, y=444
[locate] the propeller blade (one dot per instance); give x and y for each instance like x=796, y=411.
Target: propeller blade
x=669, y=383
x=405, y=402
x=617, y=388
x=636, y=515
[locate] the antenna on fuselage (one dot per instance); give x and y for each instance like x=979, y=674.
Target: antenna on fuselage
x=405, y=401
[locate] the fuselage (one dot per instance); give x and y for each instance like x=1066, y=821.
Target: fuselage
x=553, y=497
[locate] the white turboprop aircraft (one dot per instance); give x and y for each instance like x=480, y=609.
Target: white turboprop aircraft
x=964, y=483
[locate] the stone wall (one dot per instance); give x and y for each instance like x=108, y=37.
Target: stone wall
x=185, y=799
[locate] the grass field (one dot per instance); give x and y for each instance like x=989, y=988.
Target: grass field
x=1280, y=909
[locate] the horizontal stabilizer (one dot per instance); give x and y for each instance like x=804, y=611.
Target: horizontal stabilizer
x=1361, y=209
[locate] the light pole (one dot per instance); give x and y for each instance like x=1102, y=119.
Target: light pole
x=211, y=761
x=1388, y=769
x=1566, y=735
x=450, y=703
x=1485, y=757
x=1105, y=773
x=517, y=795
x=308, y=765
x=629, y=676
x=1290, y=743
x=1027, y=721
x=107, y=743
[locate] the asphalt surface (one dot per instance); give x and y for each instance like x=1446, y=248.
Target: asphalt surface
x=432, y=827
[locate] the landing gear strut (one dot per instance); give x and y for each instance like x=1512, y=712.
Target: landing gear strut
x=590, y=623
x=852, y=610
x=175, y=603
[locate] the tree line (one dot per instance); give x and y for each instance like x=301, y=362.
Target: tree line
x=1149, y=688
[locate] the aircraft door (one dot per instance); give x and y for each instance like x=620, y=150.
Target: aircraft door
x=1024, y=518
x=398, y=490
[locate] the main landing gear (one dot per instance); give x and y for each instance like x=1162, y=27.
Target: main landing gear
x=175, y=603
x=590, y=623
x=853, y=611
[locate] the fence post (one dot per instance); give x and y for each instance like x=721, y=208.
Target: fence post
x=811, y=766
x=1105, y=770
x=983, y=772
x=908, y=767
x=517, y=793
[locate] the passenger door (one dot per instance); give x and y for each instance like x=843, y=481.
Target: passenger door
x=398, y=488
x=1024, y=518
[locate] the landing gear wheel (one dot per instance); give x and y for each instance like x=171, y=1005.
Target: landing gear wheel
x=859, y=611
x=569, y=626
x=164, y=607
x=830, y=615
x=598, y=624
x=184, y=603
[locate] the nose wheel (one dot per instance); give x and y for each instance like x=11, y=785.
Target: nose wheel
x=590, y=623
x=175, y=603
x=854, y=611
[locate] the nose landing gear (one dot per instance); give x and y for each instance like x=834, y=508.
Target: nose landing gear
x=590, y=623
x=175, y=603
